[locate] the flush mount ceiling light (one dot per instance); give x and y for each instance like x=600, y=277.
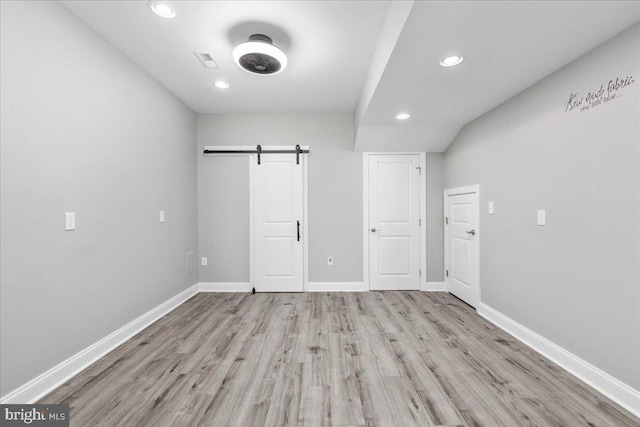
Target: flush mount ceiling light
x=162, y=9
x=222, y=85
x=451, y=61
x=260, y=56
x=403, y=116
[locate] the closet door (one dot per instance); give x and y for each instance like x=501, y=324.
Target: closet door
x=394, y=215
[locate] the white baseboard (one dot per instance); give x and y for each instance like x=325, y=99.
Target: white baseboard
x=624, y=395
x=56, y=376
x=311, y=287
x=614, y=389
x=224, y=287
x=433, y=287
x=336, y=287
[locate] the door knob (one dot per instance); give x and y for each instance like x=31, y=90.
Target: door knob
x=472, y=232
x=373, y=230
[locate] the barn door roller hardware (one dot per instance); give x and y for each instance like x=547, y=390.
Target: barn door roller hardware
x=259, y=151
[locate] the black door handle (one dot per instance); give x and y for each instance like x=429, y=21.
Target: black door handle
x=298, y=230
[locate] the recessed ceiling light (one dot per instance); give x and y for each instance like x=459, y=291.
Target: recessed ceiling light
x=451, y=61
x=403, y=116
x=162, y=9
x=222, y=85
x=260, y=56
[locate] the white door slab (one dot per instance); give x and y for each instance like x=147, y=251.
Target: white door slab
x=394, y=213
x=278, y=193
x=462, y=246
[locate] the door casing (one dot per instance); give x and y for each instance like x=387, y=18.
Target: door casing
x=422, y=216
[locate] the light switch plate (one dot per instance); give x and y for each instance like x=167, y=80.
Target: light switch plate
x=542, y=217
x=161, y=216
x=491, y=208
x=204, y=261
x=69, y=221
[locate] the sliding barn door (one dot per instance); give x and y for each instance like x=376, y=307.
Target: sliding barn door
x=278, y=191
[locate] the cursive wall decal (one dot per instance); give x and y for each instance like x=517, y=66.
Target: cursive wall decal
x=605, y=93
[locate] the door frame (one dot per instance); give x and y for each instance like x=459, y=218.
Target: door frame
x=253, y=163
x=422, y=256
x=468, y=189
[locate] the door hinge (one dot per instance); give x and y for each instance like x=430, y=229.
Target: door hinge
x=447, y=273
x=419, y=170
x=420, y=273
x=446, y=220
x=419, y=222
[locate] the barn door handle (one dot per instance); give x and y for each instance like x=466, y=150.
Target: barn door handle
x=472, y=232
x=298, y=230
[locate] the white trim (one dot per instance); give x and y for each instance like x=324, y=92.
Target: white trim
x=59, y=374
x=336, y=287
x=224, y=287
x=365, y=221
x=422, y=256
x=434, y=287
x=422, y=232
x=614, y=389
x=469, y=189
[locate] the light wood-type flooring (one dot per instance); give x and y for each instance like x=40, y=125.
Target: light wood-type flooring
x=341, y=359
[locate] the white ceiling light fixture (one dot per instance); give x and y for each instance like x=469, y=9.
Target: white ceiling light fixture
x=161, y=9
x=222, y=85
x=452, y=61
x=403, y=116
x=260, y=56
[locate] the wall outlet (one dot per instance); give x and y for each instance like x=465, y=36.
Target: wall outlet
x=161, y=216
x=542, y=217
x=69, y=221
x=329, y=260
x=204, y=261
x=491, y=208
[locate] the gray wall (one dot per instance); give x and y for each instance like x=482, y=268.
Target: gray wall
x=435, y=217
x=335, y=193
x=84, y=130
x=575, y=281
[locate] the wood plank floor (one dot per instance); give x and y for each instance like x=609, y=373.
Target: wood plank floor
x=342, y=359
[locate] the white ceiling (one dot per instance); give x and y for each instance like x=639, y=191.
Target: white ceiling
x=508, y=46
x=328, y=44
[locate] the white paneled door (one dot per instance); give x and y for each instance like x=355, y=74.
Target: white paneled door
x=278, y=191
x=462, y=246
x=394, y=214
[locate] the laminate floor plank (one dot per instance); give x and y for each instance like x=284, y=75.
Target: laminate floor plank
x=399, y=358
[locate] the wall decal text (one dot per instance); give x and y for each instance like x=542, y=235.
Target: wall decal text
x=607, y=92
